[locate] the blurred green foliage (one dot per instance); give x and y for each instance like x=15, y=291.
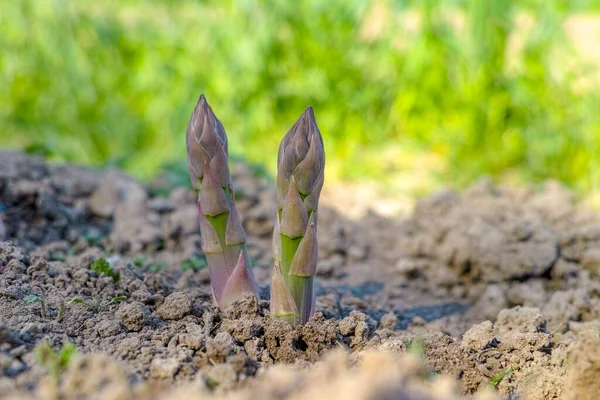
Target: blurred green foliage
x=443, y=91
x=55, y=362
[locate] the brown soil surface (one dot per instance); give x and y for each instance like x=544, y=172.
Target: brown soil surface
x=489, y=294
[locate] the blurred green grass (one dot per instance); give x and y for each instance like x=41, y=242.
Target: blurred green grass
x=413, y=94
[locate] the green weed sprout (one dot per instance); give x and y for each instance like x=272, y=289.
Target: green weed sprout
x=300, y=175
x=32, y=298
x=114, y=300
x=496, y=379
x=101, y=266
x=139, y=261
x=194, y=263
x=55, y=362
x=223, y=238
x=95, y=306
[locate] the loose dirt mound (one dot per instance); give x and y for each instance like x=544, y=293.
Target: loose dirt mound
x=400, y=303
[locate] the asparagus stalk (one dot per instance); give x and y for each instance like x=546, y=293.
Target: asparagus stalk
x=300, y=169
x=222, y=235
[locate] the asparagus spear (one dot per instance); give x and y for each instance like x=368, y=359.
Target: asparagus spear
x=222, y=235
x=300, y=174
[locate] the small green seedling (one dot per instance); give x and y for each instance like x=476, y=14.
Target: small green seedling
x=211, y=383
x=32, y=298
x=101, y=266
x=93, y=237
x=496, y=379
x=61, y=312
x=140, y=261
x=74, y=300
x=194, y=263
x=56, y=256
x=415, y=347
x=114, y=300
x=94, y=306
x=77, y=300
x=55, y=362
x=157, y=267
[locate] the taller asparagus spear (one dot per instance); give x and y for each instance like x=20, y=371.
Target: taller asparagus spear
x=222, y=235
x=300, y=168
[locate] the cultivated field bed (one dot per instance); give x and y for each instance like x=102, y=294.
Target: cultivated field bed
x=492, y=293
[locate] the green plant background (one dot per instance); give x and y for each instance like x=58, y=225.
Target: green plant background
x=412, y=94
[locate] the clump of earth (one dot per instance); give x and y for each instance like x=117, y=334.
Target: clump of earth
x=489, y=294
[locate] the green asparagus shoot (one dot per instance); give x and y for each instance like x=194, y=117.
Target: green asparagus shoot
x=222, y=236
x=300, y=175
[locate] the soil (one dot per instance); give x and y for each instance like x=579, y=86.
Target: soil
x=494, y=293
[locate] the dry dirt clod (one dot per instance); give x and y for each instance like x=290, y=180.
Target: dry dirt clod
x=480, y=337
x=583, y=366
x=162, y=368
x=176, y=306
x=132, y=316
x=388, y=321
x=107, y=328
x=520, y=319
x=219, y=347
